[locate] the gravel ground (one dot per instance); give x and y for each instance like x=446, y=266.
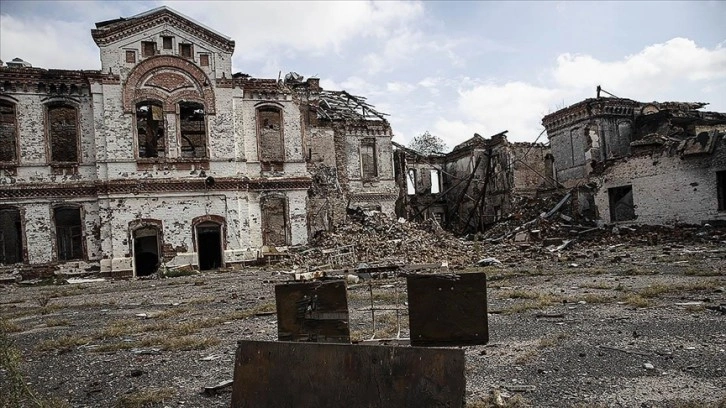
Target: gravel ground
x=605, y=326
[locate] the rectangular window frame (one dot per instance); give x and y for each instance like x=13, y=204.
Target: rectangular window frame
x=15, y=138
x=186, y=50
x=130, y=56
x=621, y=191
x=368, y=170
x=167, y=42
x=204, y=60
x=49, y=136
x=145, y=51
x=69, y=240
x=721, y=190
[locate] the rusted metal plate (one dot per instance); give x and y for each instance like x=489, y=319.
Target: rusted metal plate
x=307, y=375
x=448, y=310
x=313, y=312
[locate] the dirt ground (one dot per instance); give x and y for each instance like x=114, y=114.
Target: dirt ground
x=601, y=326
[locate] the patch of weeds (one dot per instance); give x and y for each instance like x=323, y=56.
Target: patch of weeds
x=541, y=301
x=636, y=300
x=64, y=343
x=695, y=308
x=202, y=301
x=596, y=285
x=145, y=397
x=14, y=390
x=10, y=327
x=551, y=341
x=57, y=322
x=526, y=357
x=43, y=299
x=693, y=271
x=121, y=328
x=172, y=312
x=185, y=343
x=177, y=272
x=659, y=289
x=519, y=294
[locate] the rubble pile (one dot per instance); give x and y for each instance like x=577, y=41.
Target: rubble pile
x=377, y=238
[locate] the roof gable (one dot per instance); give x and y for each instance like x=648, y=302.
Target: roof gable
x=107, y=32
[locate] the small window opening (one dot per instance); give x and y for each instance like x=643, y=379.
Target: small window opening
x=11, y=238
x=193, y=129
x=204, y=60
x=166, y=42
x=68, y=233
x=130, y=57
x=721, y=187
x=411, y=182
x=185, y=50
x=435, y=181
x=63, y=133
x=369, y=167
x=8, y=132
x=148, y=48
x=150, y=129
x=621, y=203
x=269, y=130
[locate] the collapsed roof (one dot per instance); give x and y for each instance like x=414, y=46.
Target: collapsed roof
x=340, y=105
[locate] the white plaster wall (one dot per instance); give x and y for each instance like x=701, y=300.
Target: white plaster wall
x=667, y=189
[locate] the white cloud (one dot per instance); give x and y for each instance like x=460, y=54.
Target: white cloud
x=263, y=27
x=656, y=68
x=45, y=44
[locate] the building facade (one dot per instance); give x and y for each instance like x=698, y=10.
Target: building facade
x=637, y=162
x=165, y=157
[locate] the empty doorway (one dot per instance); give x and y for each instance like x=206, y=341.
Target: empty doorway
x=146, y=251
x=209, y=245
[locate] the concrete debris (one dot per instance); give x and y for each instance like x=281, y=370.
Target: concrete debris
x=214, y=389
x=488, y=262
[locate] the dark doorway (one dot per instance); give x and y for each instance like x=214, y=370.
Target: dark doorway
x=621, y=204
x=209, y=245
x=146, y=251
x=11, y=238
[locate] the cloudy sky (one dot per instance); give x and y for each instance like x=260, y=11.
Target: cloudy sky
x=452, y=68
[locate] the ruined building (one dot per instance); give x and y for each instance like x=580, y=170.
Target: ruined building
x=475, y=184
x=165, y=157
x=636, y=162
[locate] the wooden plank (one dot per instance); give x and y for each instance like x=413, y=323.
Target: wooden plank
x=318, y=375
x=448, y=310
x=313, y=312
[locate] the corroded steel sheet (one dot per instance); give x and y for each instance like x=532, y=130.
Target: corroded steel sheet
x=318, y=375
x=313, y=312
x=448, y=310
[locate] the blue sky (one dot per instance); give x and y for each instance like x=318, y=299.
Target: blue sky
x=452, y=68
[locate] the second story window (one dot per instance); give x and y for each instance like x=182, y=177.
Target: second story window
x=148, y=48
x=193, y=129
x=8, y=132
x=166, y=42
x=204, y=60
x=368, y=163
x=130, y=57
x=150, y=126
x=185, y=50
x=269, y=135
x=63, y=133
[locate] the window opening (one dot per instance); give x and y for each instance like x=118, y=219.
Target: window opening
x=204, y=60
x=185, y=50
x=68, y=233
x=272, y=149
x=411, y=182
x=8, y=132
x=621, y=203
x=192, y=129
x=63, y=132
x=11, y=238
x=721, y=188
x=369, y=166
x=435, y=181
x=166, y=42
x=130, y=57
x=150, y=127
x=148, y=48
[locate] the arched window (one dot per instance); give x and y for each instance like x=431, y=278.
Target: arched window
x=150, y=129
x=269, y=135
x=63, y=133
x=193, y=129
x=8, y=132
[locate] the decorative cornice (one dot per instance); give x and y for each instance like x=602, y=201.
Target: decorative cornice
x=588, y=109
x=150, y=186
x=122, y=28
x=51, y=81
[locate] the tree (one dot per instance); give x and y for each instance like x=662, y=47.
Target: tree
x=428, y=144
